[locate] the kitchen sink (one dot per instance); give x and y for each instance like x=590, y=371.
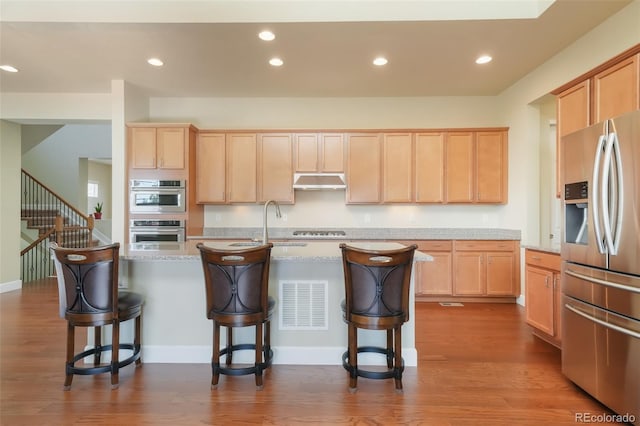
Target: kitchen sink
x=275, y=244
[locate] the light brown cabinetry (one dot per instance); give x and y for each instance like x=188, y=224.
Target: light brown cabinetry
x=210, y=168
x=241, y=172
x=609, y=90
x=397, y=174
x=157, y=147
x=543, y=294
x=275, y=167
x=434, y=278
x=486, y=268
x=429, y=167
x=364, y=161
x=319, y=152
x=476, y=167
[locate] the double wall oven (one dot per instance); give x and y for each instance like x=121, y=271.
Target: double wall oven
x=601, y=263
x=154, y=205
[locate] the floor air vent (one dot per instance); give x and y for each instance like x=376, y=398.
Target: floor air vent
x=451, y=304
x=303, y=305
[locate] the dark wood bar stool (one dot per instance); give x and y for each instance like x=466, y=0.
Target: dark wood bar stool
x=376, y=298
x=89, y=297
x=237, y=295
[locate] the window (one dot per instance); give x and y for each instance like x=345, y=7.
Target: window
x=92, y=189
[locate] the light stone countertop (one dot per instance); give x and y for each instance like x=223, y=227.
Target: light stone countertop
x=315, y=251
x=367, y=233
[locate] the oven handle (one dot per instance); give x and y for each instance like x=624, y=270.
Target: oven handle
x=603, y=282
x=603, y=323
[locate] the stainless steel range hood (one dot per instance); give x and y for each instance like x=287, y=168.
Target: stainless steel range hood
x=317, y=181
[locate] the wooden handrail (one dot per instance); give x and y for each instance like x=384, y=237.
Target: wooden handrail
x=40, y=239
x=69, y=205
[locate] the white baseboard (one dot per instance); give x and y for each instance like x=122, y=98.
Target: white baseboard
x=289, y=355
x=10, y=286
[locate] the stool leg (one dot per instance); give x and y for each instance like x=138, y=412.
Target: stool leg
x=353, y=358
x=97, y=344
x=70, y=349
x=137, y=339
x=389, y=348
x=398, y=358
x=215, y=358
x=258, y=355
x=267, y=340
x=229, y=345
x=115, y=354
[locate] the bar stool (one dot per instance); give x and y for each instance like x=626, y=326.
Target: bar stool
x=376, y=298
x=89, y=297
x=237, y=295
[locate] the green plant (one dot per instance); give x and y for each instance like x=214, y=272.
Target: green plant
x=98, y=208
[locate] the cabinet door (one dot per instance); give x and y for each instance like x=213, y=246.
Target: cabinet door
x=429, y=167
x=210, y=168
x=540, y=299
x=491, y=167
x=572, y=112
x=143, y=147
x=332, y=152
x=616, y=90
x=171, y=148
x=397, y=173
x=363, y=169
x=459, y=167
x=469, y=270
x=501, y=280
x=307, y=148
x=241, y=167
x=434, y=278
x=275, y=168
x=557, y=307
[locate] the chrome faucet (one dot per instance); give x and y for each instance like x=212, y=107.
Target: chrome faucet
x=265, y=236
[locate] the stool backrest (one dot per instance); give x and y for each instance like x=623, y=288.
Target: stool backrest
x=377, y=282
x=87, y=282
x=236, y=281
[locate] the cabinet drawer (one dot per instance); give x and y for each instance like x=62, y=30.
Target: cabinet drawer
x=543, y=259
x=485, y=245
x=434, y=245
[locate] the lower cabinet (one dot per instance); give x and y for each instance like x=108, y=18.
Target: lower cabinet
x=434, y=278
x=543, y=295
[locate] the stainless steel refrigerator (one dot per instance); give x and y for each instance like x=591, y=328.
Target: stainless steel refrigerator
x=601, y=262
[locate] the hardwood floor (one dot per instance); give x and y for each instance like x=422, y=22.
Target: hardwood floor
x=478, y=365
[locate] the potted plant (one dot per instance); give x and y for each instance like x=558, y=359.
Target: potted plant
x=98, y=211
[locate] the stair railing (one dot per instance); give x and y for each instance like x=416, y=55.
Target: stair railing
x=57, y=220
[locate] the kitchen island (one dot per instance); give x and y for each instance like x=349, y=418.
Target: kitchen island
x=306, y=280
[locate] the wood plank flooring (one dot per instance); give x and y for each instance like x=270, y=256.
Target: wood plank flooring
x=478, y=365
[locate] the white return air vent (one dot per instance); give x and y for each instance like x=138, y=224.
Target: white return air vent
x=303, y=305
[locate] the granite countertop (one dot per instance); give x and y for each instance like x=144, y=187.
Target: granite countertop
x=315, y=251
x=366, y=234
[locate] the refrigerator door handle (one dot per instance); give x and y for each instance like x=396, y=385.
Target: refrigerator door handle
x=603, y=282
x=603, y=323
x=595, y=187
x=612, y=153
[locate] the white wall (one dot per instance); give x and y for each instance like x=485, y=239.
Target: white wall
x=100, y=173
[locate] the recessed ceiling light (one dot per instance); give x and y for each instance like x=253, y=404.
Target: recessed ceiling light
x=155, y=62
x=380, y=61
x=266, y=35
x=484, y=59
x=276, y=62
x=8, y=68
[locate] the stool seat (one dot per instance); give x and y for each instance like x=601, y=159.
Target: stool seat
x=377, y=285
x=237, y=295
x=89, y=297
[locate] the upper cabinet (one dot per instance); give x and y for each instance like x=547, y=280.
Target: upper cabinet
x=158, y=147
x=242, y=149
x=397, y=175
x=607, y=91
x=210, y=168
x=319, y=152
x=476, y=167
x=275, y=167
x=429, y=167
x=364, y=162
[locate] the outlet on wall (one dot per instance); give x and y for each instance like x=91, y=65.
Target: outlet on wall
x=284, y=217
x=218, y=217
x=367, y=218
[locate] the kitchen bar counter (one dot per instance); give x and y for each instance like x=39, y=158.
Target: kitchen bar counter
x=306, y=281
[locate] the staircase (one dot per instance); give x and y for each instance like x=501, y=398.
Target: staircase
x=48, y=217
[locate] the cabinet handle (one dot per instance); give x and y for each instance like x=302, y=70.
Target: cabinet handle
x=546, y=282
x=536, y=258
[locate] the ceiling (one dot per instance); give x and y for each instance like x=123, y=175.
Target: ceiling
x=327, y=46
